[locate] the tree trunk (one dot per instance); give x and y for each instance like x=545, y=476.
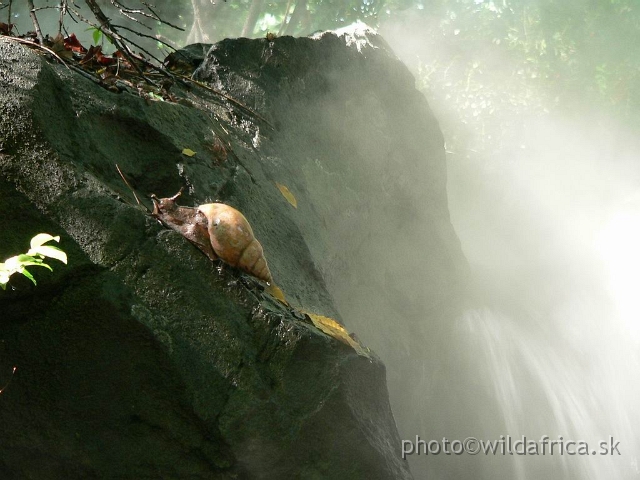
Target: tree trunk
x=252, y=18
x=296, y=17
x=203, y=26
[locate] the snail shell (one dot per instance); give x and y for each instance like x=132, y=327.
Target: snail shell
x=233, y=241
x=219, y=230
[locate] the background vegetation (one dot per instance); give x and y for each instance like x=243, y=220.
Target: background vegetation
x=561, y=54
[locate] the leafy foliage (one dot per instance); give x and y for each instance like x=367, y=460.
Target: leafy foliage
x=572, y=56
x=34, y=257
x=561, y=54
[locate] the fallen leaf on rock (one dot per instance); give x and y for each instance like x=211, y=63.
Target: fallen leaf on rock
x=59, y=47
x=286, y=193
x=5, y=28
x=156, y=97
x=277, y=293
x=334, y=329
x=188, y=152
x=72, y=43
x=95, y=54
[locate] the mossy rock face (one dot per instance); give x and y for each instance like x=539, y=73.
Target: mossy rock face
x=141, y=358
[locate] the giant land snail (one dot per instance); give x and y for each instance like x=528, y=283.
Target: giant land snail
x=218, y=230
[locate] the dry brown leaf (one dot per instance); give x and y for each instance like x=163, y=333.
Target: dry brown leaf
x=286, y=193
x=72, y=43
x=6, y=28
x=334, y=329
x=59, y=48
x=94, y=54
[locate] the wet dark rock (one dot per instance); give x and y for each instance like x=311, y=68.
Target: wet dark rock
x=142, y=358
x=188, y=58
x=361, y=143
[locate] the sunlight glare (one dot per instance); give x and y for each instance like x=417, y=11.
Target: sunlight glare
x=619, y=247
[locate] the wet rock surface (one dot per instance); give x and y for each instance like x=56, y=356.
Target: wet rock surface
x=144, y=359
x=363, y=145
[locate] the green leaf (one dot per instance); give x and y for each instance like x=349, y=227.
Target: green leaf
x=40, y=264
x=27, y=257
x=17, y=263
x=28, y=275
x=48, y=251
x=42, y=238
x=97, y=34
x=13, y=264
x=34, y=257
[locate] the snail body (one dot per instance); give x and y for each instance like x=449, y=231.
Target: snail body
x=218, y=230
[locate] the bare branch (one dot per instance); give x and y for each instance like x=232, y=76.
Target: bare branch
x=158, y=18
x=34, y=19
x=226, y=97
x=196, y=34
x=40, y=46
x=126, y=182
x=152, y=37
x=63, y=12
x=50, y=7
x=130, y=12
x=145, y=36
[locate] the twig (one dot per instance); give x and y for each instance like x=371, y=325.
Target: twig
x=13, y=371
x=152, y=37
x=229, y=147
x=34, y=19
x=86, y=74
x=37, y=45
x=71, y=17
x=124, y=179
x=157, y=17
x=195, y=34
x=63, y=12
x=227, y=97
x=49, y=7
x=9, y=14
x=130, y=12
x=139, y=46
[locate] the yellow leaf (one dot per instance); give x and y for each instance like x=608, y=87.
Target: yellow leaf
x=188, y=152
x=278, y=294
x=286, y=193
x=334, y=329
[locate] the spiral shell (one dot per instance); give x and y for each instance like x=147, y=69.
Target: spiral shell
x=218, y=230
x=233, y=241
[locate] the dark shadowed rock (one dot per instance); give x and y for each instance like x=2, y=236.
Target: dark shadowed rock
x=142, y=358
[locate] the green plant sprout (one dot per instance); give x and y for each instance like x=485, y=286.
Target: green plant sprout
x=35, y=256
x=96, y=34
